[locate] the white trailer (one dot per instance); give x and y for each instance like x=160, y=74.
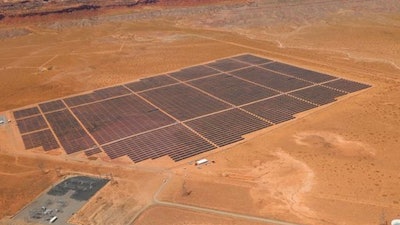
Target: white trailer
x=395, y=222
x=201, y=162
x=53, y=219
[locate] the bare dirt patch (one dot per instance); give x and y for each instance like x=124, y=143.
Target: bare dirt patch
x=165, y=215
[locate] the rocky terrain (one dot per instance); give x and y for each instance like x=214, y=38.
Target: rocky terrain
x=29, y=8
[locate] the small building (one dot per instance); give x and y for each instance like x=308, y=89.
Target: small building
x=3, y=120
x=395, y=222
x=201, y=162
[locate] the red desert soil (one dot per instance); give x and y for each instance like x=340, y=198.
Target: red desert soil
x=333, y=165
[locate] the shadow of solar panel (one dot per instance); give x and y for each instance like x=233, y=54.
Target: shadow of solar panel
x=226, y=127
x=151, y=82
x=175, y=141
x=26, y=112
x=232, y=89
x=183, y=102
x=71, y=135
x=318, y=94
x=42, y=138
x=271, y=79
x=346, y=85
x=298, y=72
x=227, y=65
x=31, y=124
x=92, y=151
x=278, y=109
x=121, y=117
x=252, y=59
x=111, y=92
x=193, y=73
x=52, y=106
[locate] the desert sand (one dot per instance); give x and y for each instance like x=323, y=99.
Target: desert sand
x=337, y=164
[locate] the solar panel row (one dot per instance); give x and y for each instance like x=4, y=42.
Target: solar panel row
x=227, y=65
x=30, y=124
x=96, y=96
x=151, y=82
x=226, y=127
x=92, y=151
x=251, y=59
x=183, y=102
x=52, y=106
x=318, y=94
x=346, y=85
x=175, y=141
x=271, y=79
x=194, y=73
x=42, y=138
x=278, y=109
x=26, y=112
x=297, y=72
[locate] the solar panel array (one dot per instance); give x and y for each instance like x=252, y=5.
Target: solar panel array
x=176, y=141
x=279, y=109
x=227, y=127
x=271, y=79
x=42, y=138
x=52, y=106
x=183, y=102
x=180, y=114
x=232, y=89
x=70, y=133
x=121, y=117
x=30, y=124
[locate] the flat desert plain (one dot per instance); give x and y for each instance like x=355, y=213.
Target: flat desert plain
x=336, y=164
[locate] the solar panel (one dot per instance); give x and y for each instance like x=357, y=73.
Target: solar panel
x=226, y=127
x=318, y=94
x=298, y=72
x=42, y=138
x=111, y=92
x=96, y=95
x=271, y=79
x=227, y=65
x=175, y=141
x=193, y=73
x=92, y=151
x=31, y=124
x=150, y=82
x=279, y=109
x=183, y=102
x=252, y=59
x=52, y=106
x=347, y=85
x=120, y=117
x=232, y=90
x=80, y=99
x=71, y=135
x=26, y=112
